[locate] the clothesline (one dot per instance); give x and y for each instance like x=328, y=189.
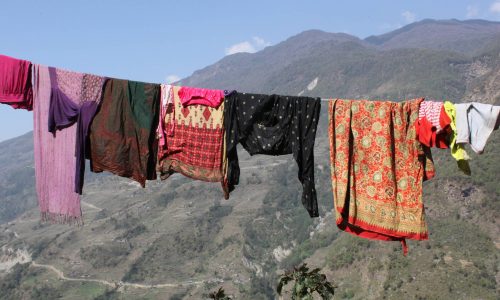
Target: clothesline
x=379, y=151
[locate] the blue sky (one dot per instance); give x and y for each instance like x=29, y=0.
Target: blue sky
x=157, y=41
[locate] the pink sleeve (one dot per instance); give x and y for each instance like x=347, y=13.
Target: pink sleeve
x=191, y=96
x=15, y=82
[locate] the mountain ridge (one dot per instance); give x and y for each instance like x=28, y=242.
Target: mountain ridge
x=460, y=36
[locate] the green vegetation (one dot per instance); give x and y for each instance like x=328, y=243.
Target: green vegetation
x=261, y=288
x=107, y=255
x=133, y=232
x=127, y=221
x=346, y=250
x=190, y=243
x=12, y=281
x=306, y=283
x=307, y=249
x=17, y=194
x=220, y=294
x=41, y=246
x=26, y=282
x=109, y=295
x=178, y=296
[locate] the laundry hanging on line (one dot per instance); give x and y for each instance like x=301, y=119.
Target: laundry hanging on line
x=274, y=125
x=74, y=98
x=475, y=123
x=191, y=136
x=378, y=167
x=15, y=83
x=458, y=151
x=433, y=125
x=141, y=128
x=55, y=161
x=123, y=132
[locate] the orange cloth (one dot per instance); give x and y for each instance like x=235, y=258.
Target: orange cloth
x=377, y=169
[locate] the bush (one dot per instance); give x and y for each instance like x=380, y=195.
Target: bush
x=134, y=232
x=107, y=255
x=11, y=282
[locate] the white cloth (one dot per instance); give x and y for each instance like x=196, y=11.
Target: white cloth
x=475, y=123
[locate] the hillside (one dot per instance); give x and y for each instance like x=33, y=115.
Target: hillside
x=340, y=69
x=483, y=76
x=17, y=177
x=179, y=239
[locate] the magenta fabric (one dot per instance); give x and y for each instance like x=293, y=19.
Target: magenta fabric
x=15, y=83
x=55, y=160
x=190, y=96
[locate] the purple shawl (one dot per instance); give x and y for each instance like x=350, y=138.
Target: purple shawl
x=55, y=160
x=75, y=98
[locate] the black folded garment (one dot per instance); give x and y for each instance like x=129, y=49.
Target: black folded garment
x=273, y=125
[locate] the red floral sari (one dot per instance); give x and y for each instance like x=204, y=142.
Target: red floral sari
x=377, y=169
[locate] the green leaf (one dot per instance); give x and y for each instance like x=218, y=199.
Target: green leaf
x=282, y=283
x=330, y=288
x=306, y=283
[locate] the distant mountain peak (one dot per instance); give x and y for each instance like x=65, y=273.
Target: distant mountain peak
x=320, y=35
x=465, y=36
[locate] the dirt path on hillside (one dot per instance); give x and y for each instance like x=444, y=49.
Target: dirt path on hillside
x=91, y=205
x=61, y=275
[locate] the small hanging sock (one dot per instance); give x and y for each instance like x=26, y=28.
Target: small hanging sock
x=405, y=247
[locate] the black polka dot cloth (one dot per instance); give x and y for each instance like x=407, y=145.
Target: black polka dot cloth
x=273, y=125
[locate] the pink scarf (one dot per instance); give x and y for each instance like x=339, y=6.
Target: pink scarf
x=55, y=160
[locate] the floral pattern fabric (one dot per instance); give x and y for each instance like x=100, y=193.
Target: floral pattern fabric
x=377, y=169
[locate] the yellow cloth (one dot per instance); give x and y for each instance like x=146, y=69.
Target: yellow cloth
x=457, y=150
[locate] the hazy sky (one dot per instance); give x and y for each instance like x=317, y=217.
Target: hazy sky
x=157, y=41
